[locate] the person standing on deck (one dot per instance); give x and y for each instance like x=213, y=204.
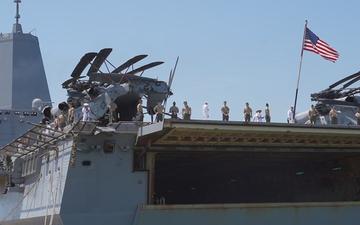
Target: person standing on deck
x=159, y=110
x=290, y=115
x=71, y=113
x=313, y=115
x=258, y=117
x=86, y=112
x=139, y=111
x=113, y=113
x=186, y=111
x=225, y=110
x=247, y=113
x=357, y=115
x=267, y=113
x=174, y=110
x=206, y=110
x=333, y=116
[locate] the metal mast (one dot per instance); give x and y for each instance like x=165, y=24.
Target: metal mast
x=17, y=26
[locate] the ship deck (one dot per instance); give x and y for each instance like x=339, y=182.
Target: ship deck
x=203, y=135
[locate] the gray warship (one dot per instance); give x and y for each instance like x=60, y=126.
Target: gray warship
x=130, y=172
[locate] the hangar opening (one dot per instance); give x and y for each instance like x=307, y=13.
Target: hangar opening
x=255, y=177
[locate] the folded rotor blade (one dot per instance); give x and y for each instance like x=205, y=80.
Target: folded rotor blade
x=344, y=79
x=83, y=63
x=145, y=67
x=173, y=72
x=351, y=82
x=99, y=60
x=129, y=63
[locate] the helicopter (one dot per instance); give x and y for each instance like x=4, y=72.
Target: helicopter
x=341, y=96
x=123, y=85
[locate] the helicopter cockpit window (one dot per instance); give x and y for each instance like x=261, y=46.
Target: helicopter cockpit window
x=350, y=99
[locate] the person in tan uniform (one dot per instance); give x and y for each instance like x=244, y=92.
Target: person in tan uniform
x=174, y=110
x=247, y=113
x=333, y=116
x=159, y=110
x=61, y=121
x=71, y=113
x=139, y=111
x=225, y=110
x=313, y=113
x=357, y=115
x=186, y=111
x=113, y=113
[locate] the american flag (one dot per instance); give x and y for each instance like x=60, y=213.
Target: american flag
x=314, y=44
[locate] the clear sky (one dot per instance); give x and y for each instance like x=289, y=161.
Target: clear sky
x=239, y=51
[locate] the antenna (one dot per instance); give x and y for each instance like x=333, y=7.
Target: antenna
x=17, y=16
x=17, y=26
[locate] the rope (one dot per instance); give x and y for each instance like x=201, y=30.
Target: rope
x=58, y=187
x=33, y=201
x=47, y=205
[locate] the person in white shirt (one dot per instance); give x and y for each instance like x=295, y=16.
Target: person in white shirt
x=290, y=115
x=86, y=111
x=206, y=110
x=258, y=117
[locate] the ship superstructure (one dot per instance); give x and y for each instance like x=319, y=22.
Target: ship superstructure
x=22, y=79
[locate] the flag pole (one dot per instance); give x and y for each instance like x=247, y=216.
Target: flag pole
x=298, y=79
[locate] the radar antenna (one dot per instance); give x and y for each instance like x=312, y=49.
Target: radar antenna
x=17, y=26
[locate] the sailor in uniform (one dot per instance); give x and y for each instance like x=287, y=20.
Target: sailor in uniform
x=312, y=115
x=267, y=113
x=186, y=111
x=159, y=110
x=247, y=113
x=258, y=117
x=206, y=110
x=333, y=116
x=139, y=111
x=174, y=110
x=357, y=115
x=225, y=110
x=86, y=112
x=290, y=115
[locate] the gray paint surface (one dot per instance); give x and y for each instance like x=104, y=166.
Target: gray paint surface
x=108, y=191
x=6, y=71
x=22, y=79
x=29, y=80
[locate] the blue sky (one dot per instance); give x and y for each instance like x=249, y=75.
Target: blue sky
x=239, y=51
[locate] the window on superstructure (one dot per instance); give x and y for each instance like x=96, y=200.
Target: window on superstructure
x=109, y=147
x=86, y=163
